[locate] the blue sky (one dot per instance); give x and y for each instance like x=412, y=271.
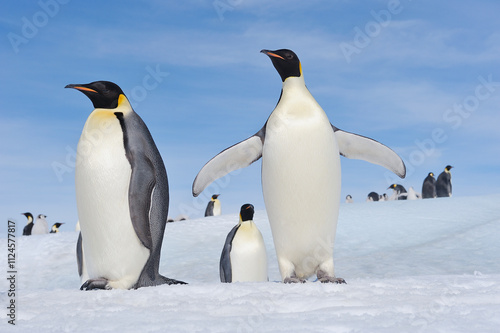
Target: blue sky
x=422, y=77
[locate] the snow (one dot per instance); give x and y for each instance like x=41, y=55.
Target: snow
x=411, y=266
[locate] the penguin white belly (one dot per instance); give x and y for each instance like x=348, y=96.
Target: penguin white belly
x=112, y=249
x=301, y=187
x=248, y=255
x=217, y=209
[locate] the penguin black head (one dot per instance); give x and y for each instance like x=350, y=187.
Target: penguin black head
x=431, y=174
x=103, y=94
x=215, y=196
x=246, y=212
x=55, y=227
x=286, y=63
x=28, y=216
x=448, y=168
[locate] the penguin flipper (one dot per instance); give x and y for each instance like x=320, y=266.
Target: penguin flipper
x=79, y=254
x=233, y=158
x=225, y=259
x=362, y=148
x=210, y=209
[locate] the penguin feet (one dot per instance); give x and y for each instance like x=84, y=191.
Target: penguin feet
x=294, y=279
x=92, y=284
x=172, y=281
x=325, y=278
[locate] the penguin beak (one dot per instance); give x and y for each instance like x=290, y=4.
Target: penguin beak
x=271, y=54
x=80, y=87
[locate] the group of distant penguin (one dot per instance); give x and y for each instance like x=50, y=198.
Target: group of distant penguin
x=40, y=226
x=430, y=189
x=121, y=184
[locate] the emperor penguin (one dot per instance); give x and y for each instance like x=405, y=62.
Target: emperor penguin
x=121, y=193
x=213, y=206
x=300, y=151
x=29, y=226
x=373, y=196
x=348, y=199
x=244, y=257
x=429, y=187
x=399, y=192
x=55, y=228
x=443, y=183
x=412, y=194
x=41, y=226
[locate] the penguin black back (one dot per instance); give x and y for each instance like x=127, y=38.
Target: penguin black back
x=443, y=183
x=429, y=187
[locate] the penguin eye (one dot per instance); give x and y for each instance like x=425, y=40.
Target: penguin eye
x=289, y=56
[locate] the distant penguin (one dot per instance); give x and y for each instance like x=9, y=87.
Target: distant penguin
x=443, y=183
x=373, y=196
x=300, y=152
x=121, y=193
x=29, y=226
x=399, y=191
x=41, y=226
x=55, y=228
x=181, y=217
x=244, y=257
x=412, y=194
x=429, y=187
x=213, y=206
x=383, y=197
x=348, y=199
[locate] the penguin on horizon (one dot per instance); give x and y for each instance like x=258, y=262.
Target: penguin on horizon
x=348, y=199
x=399, y=192
x=429, y=187
x=244, y=257
x=29, y=226
x=213, y=206
x=300, y=152
x=41, y=226
x=55, y=228
x=121, y=193
x=443, y=183
x=373, y=196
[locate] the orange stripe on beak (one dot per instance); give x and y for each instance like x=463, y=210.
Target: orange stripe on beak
x=274, y=55
x=86, y=89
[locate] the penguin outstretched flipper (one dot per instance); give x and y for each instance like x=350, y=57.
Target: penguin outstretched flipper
x=233, y=158
x=359, y=147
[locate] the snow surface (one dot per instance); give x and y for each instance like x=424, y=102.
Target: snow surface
x=411, y=266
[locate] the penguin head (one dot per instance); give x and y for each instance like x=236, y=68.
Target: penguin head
x=215, y=196
x=286, y=63
x=41, y=216
x=431, y=174
x=28, y=216
x=55, y=227
x=103, y=94
x=393, y=186
x=448, y=168
x=246, y=212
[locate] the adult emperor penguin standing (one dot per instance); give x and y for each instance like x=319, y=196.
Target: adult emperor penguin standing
x=443, y=183
x=300, y=173
x=429, y=187
x=121, y=193
x=244, y=257
x=213, y=206
x=29, y=226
